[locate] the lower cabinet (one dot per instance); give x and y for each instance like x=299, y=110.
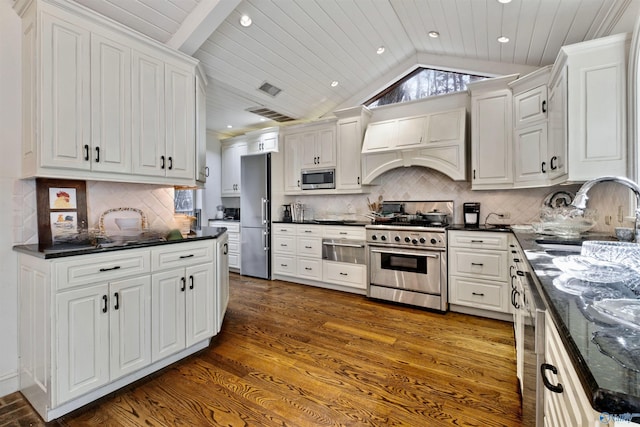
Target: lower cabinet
x=233, y=233
x=478, y=273
x=91, y=324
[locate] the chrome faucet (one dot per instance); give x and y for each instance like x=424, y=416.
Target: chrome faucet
x=580, y=201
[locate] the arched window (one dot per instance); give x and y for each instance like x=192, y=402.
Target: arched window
x=422, y=83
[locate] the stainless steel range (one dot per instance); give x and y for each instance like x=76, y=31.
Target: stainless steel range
x=408, y=255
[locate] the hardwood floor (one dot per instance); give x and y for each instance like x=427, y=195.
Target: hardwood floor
x=294, y=355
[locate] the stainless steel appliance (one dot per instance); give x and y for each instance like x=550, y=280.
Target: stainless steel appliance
x=318, y=179
x=344, y=250
x=408, y=257
x=255, y=203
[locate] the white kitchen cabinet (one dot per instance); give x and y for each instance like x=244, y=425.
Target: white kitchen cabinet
x=222, y=288
x=292, y=166
x=569, y=406
x=344, y=274
x=183, y=297
x=530, y=156
x=318, y=148
x=103, y=103
x=478, y=273
x=202, y=171
x=593, y=75
x=263, y=141
x=231, y=151
x=118, y=341
x=233, y=243
x=557, y=127
x=492, y=133
x=350, y=132
x=284, y=249
x=308, y=250
x=396, y=134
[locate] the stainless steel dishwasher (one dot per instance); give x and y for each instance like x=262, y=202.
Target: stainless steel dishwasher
x=344, y=250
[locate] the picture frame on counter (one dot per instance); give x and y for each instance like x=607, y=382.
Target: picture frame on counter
x=62, y=211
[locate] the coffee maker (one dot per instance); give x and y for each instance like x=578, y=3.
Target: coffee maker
x=471, y=212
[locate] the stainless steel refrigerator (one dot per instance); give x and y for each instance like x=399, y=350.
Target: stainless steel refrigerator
x=255, y=221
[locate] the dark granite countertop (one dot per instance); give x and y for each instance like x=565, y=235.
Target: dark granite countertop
x=328, y=222
x=610, y=386
x=68, y=249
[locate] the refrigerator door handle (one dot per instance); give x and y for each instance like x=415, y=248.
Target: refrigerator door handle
x=264, y=206
x=265, y=240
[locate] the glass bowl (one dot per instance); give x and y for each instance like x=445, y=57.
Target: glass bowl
x=625, y=253
x=568, y=221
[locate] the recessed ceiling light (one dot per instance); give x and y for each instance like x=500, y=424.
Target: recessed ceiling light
x=434, y=34
x=334, y=83
x=245, y=21
x=380, y=50
x=503, y=39
x=504, y=1
x=229, y=126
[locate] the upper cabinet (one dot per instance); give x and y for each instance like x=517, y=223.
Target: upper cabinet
x=202, y=171
x=263, y=141
x=231, y=151
x=351, y=125
x=102, y=102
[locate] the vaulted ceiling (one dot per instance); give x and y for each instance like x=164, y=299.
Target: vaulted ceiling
x=302, y=46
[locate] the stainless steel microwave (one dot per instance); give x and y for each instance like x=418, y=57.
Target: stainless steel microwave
x=316, y=179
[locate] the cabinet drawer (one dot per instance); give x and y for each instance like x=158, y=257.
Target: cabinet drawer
x=309, y=247
x=231, y=226
x=354, y=233
x=234, y=247
x=352, y=275
x=284, y=244
x=483, y=264
x=284, y=264
x=283, y=229
x=479, y=294
x=309, y=230
x=101, y=268
x=478, y=240
x=234, y=260
x=310, y=268
x=234, y=237
x=181, y=254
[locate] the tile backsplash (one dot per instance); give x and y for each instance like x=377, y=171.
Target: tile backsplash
x=417, y=183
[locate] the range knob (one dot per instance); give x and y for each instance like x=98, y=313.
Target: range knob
x=397, y=238
x=414, y=241
x=383, y=238
x=407, y=239
x=422, y=240
x=374, y=237
x=434, y=241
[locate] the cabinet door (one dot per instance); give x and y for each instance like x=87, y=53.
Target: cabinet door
x=326, y=147
x=530, y=107
x=491, y=140
x=292, y=165
x=447, y=127
x=349, y=146
x=230, y=168
x=531, y=165
x=201, y=303
x=179, y=122
x=130, y=325
x=307, y=150
x=269, y=141
x=557, y=127
x=167, y=313
x=148, y=118
x=201, y=130
x=65, y=95
x=380, y=136
x=222, y=272
x=110, y=105
x=83, y=341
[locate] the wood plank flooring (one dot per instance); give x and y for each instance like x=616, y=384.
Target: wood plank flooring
x=294, y=355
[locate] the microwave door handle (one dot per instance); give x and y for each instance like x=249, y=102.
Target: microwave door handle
x=426, y=255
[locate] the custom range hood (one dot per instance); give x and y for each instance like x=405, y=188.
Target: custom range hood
x=435, y=140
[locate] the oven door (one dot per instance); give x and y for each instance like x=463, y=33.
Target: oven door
x=406, y=269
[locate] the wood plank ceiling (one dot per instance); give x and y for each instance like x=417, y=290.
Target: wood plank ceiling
x=301, y=46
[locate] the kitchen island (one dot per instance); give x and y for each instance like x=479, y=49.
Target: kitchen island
x=610, y=386
x=94, y=319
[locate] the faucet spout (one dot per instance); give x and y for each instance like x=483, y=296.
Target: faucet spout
x=580, y=200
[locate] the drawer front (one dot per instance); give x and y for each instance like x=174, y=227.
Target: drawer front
x=181, y=255
x=231, y=226
x=353, y=233
x=309, y=230
x=101, y=268
x=352, y=275
x=234, y=247
x=491, y=265
x=282, y=229
x=284, y=264
x=309, y=247
x=284, y=244
x=478, y=240
x=234, y=260
x=310, y=268
x=233, y=237
x=479, y=294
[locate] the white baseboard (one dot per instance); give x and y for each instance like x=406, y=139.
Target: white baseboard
x=9, y=383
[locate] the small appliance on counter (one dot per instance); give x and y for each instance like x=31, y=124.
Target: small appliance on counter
x=232, y=214
x=471, y=213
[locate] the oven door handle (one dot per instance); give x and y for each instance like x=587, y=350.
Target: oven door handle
x=346, y=245
x=426, y=255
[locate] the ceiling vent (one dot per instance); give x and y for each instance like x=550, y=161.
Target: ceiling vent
x=270, y=89
x=270, y=114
